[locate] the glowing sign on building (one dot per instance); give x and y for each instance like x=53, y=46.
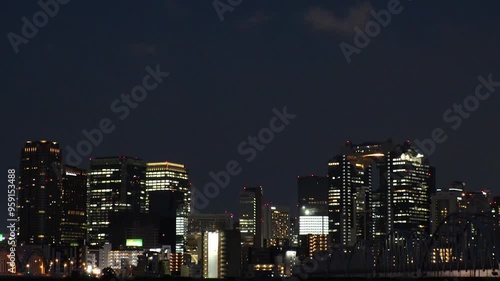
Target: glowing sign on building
x=134, y=243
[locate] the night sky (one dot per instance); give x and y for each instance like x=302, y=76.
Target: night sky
x=227, y=76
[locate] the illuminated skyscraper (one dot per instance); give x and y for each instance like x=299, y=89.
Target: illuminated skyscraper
x=164, y=177
x=376, y=189
x=115, y=185
x=280, y=222
x=40, y=187
x=251, y=216
x=169, y=176
x=221, y=254
x=74, y=206
x=313, y=212
x=445, y=202
x=313, y=205
x=276, y=225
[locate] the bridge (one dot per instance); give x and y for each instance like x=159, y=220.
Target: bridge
x=463, y=245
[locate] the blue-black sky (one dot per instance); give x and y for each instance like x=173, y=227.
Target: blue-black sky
x=226, y=77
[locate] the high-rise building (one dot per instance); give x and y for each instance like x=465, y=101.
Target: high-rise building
x=221, y=254
x=294, y=231
x=313, y=210
x=266, y=223
x=495, y=213
x=251, y=215
x=377, y=189
x=40, y=186
x=456, y=186
x=169, y=206
x=276, y=225
x=127, y=228
x=495, y=209
x=478, y=201
x=280, y=222
x=167, y=177
x=74, y=206
x=313, y=205
x=210, y=222
x=115, y=185
x=446, y=201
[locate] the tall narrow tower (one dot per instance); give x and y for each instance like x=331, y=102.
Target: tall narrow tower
x=167, y=185
x=251, y=215
x=74, y=206
x=40, y=189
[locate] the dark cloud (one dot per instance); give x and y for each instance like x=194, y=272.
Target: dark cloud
x=324, y=20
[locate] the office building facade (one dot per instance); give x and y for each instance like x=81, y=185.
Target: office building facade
x=447, y=201
x=221, y=254
x=115, y=185
x=376, y=189
x=251, y=215
x=199, y=223
x=40, y=190
x=478, y=202
x=168, y=187
x=276, y=225
x=74, y=206
x=313, y=210
x=313, y=205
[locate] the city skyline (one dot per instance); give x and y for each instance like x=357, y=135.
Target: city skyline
x=226, y=77
x=375, y=193
x=154, y=137
x=236, y=207
x=159, y=171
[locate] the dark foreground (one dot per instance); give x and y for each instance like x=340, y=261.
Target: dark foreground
x=32, y=278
